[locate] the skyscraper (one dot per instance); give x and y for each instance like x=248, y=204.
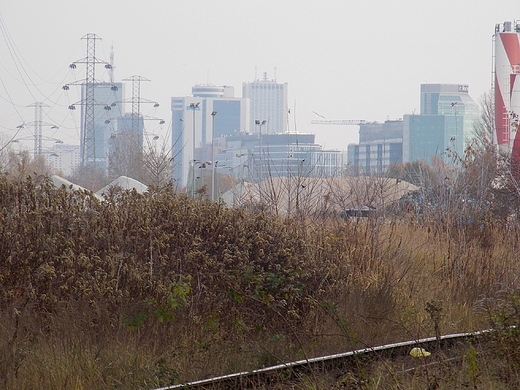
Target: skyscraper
x=444, y=125
x=268, y=102
x=192, y=124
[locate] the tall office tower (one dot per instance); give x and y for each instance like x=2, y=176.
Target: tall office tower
x=507, y=86
x=444, y=125
x=107, y=107
x=194, y=127
x=269, y=103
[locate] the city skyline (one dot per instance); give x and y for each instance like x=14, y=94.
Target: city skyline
x=340, y=60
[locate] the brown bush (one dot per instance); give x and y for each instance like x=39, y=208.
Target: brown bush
x=146, y=290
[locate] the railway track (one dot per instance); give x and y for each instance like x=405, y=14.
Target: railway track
x=447, y=346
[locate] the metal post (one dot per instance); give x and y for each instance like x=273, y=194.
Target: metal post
x=193, y=107
x=38, y=126
x=213, y=167
x=260, y=123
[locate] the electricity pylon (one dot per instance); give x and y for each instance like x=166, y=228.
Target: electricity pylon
x=88, y=130
x=38, y=124
x=136, y=101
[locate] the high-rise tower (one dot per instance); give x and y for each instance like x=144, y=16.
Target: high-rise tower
x=268, y=102
x=444, y=125
x=195, y=128
x=507, y=86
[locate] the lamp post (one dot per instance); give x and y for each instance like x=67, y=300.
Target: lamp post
x=260, y=123
x=454, y=139
x=243, y=164
x=213, y=166
x=193, y=107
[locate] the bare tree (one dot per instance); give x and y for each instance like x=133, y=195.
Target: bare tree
x=22, y=164
x=158, y=164
x=90, y=177
x=5, y=148
x=418, y=173
x=489, y=174
x=485, y=128
x=126, y=155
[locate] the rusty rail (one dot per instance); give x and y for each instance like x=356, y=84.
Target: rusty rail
x=246, y=378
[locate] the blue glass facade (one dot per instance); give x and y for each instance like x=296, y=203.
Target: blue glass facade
x=444, y=126
x=228, y=121
x=192, y=130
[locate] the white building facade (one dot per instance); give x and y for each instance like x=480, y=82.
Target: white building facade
x=64, y=158
x=268, y=102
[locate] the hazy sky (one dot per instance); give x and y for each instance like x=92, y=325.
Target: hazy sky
x=343, y=59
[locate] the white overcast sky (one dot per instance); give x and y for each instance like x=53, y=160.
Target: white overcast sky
x=343, y=59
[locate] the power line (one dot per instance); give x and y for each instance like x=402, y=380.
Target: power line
x=88, y=133
x=22, y=67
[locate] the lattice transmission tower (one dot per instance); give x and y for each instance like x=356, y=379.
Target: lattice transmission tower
x=88, y=126
x=136, y=100
x=38, y=125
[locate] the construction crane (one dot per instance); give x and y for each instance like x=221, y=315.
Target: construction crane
x=343, y=122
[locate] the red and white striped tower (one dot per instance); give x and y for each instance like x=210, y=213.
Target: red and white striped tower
x=507, y=86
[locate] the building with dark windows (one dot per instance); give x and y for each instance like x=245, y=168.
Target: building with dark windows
x=380, y=146
x=294, y=154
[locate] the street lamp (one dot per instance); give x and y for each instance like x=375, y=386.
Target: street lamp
x=243, y=164
x=260, y=123
x=213, y=155
x=193, y=107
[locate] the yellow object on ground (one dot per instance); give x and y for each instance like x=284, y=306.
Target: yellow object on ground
x=419, y=352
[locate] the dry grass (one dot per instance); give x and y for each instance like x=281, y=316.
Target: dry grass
x=142, y=291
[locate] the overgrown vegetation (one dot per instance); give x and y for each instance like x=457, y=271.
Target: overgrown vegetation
x=140, y=291
x=145, y=290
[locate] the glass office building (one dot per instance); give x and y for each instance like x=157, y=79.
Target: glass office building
x=444, y=126
x=193, y=122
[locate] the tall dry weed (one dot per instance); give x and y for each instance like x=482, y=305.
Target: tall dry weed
x=147, y=289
